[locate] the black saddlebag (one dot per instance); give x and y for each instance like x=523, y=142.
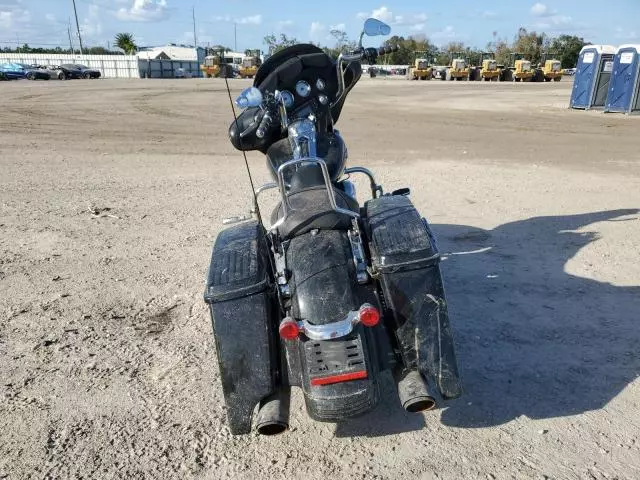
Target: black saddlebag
x=243, y=322
x=405, y=257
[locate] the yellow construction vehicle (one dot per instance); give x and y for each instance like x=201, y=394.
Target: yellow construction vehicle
x=522, y=70
x=421, y=69
x=490, y=71
x=250, y=64
x=459, y=67
x=216, y=65
x=551, y=68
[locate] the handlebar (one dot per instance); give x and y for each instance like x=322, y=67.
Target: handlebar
x=265, y=125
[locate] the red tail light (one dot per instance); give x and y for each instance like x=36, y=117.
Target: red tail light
x=369, y=315
x=289, y=329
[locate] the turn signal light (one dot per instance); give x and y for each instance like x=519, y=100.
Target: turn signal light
x=369, y=315
x=289, y=329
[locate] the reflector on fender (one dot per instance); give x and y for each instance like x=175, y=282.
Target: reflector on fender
x=369, y=315
x=288, y=329
x=343, y=377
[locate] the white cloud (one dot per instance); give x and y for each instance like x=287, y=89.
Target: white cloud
x=91, y=27
x=14, y=17
x=444, y=35
x=285, y=26
x=552, y=20
x=557, y=23
x=340, y=26
x=143, y=11
x=252, y=20
x=626, y=34
x=387, y=16
x=317, y=32
x=540, y=10
x=50, y=17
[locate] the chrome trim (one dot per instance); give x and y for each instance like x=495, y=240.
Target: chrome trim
x=302, y=137
x=357, y=253
x=286, y=206
x=236, y=219
x=266, y=186
x=376, y=190
x=285, y=290
x=330, y=330
x=333, y=330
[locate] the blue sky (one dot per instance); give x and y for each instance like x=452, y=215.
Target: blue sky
x=157, y=22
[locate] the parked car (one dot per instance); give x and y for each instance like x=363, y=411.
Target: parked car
x=569, y=71
x=74, y=70
x=15, y=71
x=34, y=72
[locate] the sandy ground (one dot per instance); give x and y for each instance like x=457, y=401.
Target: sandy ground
x=107, y=364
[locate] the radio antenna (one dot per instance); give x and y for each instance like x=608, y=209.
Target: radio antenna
x=256, y=207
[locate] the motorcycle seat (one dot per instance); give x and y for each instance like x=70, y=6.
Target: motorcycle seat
x=310, y=210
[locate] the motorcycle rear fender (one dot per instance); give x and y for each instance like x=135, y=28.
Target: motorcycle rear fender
x=324, y=291
x=239, y=294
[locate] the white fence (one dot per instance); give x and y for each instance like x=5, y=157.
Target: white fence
x=111, y=66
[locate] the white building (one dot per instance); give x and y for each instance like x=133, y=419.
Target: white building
x=172, y=52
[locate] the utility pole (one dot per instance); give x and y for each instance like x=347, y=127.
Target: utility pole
x=77, y=25
x=235, y=37
x=70, y=42
x=195, y=38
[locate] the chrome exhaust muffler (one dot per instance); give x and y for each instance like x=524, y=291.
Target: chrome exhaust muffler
x=413, y=391
x=273, y=413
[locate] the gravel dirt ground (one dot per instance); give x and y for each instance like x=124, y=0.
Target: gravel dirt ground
x=112, y=193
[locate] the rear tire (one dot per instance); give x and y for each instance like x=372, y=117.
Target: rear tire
x=62, y=76
x=86, y=76
x=30, y=76
x=557, y=79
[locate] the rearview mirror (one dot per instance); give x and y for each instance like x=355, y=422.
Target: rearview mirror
x=374, y=27
x=250, y=97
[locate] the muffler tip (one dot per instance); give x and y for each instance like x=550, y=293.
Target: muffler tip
x=413, y=391
x=272, y=428
x=273, y=414
x=420, y=404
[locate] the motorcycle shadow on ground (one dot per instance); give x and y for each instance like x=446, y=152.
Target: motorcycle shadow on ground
x=533, y=340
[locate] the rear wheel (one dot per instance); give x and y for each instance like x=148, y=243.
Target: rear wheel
x=557, y=79
x=86, y=75
x=30, y=76
x=62, y=76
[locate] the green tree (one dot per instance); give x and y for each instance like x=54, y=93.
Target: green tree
x=126, y=43
x=407, y=48
x=567, y=48
x=503, y=52
x=276, y=44
x=530, y=44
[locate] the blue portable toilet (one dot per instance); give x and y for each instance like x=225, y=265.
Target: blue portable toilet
x=623, y=88
x=593, y=74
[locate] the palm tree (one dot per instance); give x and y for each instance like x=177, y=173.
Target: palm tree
x=125, y=42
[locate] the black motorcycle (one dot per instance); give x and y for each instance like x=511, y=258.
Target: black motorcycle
x=327, y=294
